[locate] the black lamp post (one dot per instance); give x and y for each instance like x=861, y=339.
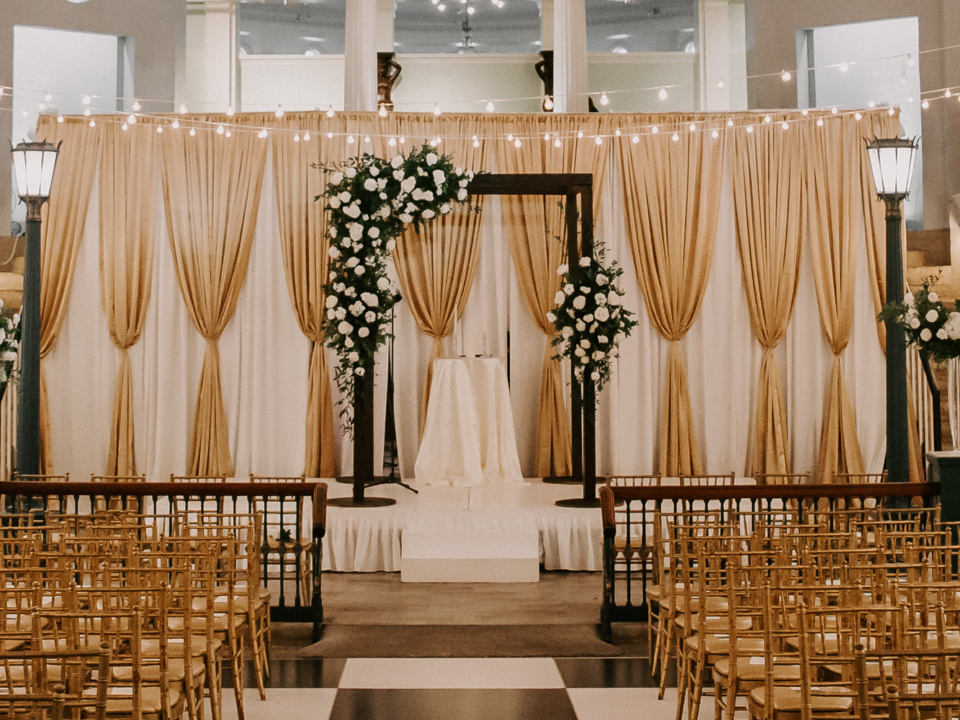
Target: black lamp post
x=33, y=164
x=892, y=160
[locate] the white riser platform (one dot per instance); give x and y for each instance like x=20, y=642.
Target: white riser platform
x=470, y=556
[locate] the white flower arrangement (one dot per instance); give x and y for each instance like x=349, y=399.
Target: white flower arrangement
x=370, y=200
x=9, y=345
x=926, y=322
x=589, y=317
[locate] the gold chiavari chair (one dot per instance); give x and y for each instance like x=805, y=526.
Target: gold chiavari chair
x=37, y=505
x=708, y=480
x=782, y=478
x=196, y=503
x=37, y=684
x=116, y=504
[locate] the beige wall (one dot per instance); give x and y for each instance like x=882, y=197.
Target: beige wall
x=156, y=25
x=771, y=46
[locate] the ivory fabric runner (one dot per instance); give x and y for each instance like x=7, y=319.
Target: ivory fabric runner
x=469, y=437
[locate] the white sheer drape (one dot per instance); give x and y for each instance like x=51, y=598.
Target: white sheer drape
x=265, y=359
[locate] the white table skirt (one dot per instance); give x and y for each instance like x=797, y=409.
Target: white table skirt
x=469, y=437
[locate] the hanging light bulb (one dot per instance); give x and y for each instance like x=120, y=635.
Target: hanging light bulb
x=872, y=104
x=278, y=112
x=131, y=119
x=925, y=104
x=392, y=142
x=490, y=106
x=59, y=118
x=296, y=138
x=87, y=112
x=93, y=123
x=786, y=125
x=556, y=142
x=42, y=106
x=676, y=136
x=546, y=137
x=441, y=7
x=715, y=134
x=948, y=93
x=476, y=143
x=262, y=134
x=510, y=137
x=382, y=112
x=730, y=122
x=547, y=102
x=228, y=133
x=403, y=140
x=656, y=129
x=230, y=111
x=786, y=76
x=436, y=108
x=366, y=139
x=85, y=99
x=306, y=137
x=720, y=84
x=604, y=100
x=350, y=139
x=159, y=128
x=183, y=108
x=617, y=132
x=804, y=112
x=663, y=93
x=176, y=124
x=819, y=122
x=599, y=140
x=834, y=110
x=330, y=112
x=636, y=139
x=857, y=116
x=843, y=67
x=767, y=118
x=749, y=128
x=136, y=106
x=330, y=135
x=892, y=111
x=193, y=131
x=124, y=127
x=693, y=127
x=517, y=143
x=220, y=130
x=580, y=133
x=47, y=97
x=910, y=61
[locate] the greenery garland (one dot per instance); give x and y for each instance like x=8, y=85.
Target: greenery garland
x=927, y=323
x=589, y=316
x=370, y=200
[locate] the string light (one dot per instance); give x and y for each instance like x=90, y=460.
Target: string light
x=85, y=99
x=871, y=104
x=786, y=76
x=547, y=102
x=910, y=61
x=220, y=130
x=580, y=134
x=136, y=106
x=948, y=93
x=510, y=137
x=892, y=111
x=663, y=93
x=403, y=140
x=176, y=124
x=124, y=127
x=350, y=139
x=546, y=137
x=131, y=119
x=476, y=143
x=366, y=139
x=767, y=118
x=490, y=106
x=844, y=66
x=262, y=134
x=804, y=112
x=47, y=97
x=749, y=128
x=715, y=134
x=786, y=125
x=599, y=140
x=617, y=132
x=720, y=84
x=228, y=133
x=556, y=142
x=676, y=136
x=693, y=127
x=296, y=138
x=392, y=142
x=730, y=122
x=604, y=100
x=517, y=143
x=636, y=139
x=93, y=123
x=858, y=116
x=834, y=110
x=193, y=131
x=87, y=112
x=436, y=109
x=382, y=112
x=59, y=118
x=330, y=135
x=278, y=112
x=819, y=122
x=230, y=111
x=656, y=129
x=183, y=108
x=306, y=137
x=159, y=128
x=330, y=112
x=925, y=104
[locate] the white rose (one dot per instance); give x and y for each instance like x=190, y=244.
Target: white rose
x=593, y=328
x=598, y=355
x=603, y=340
x=352, y=262
x=333, y=276
x=397, y=161
x=411, y=208
x=558, y=298
x=356, y=309
x=398, y=175
x=341, y=313
x=461, y=195
x=370, y=184
x=581, y=326
x=391, y=244
x=584, y=360
x=562, y=270
x=331, y=301
x=932, y=315
x=333, y=252
x=334, y=202
x=908, y=298
x=458, y=171
x=915, y=323
x=579, y=301
x=374, y=232
x=352, y=210
x=602, y=314
x=350, y=172
x=383, y=283
x=551, y=318
x=404, y=218
x=356, y=231
x=428, y=213
x=381, y=183
x=439, y=177
x=428, y=195
x=344, y=197
x=925, y=334
x=345, y=328
x=370, y=299
x=417, y=194
x=444, y=209
x=336, y=178
x=333, y=231
x=431, y=159
x=359, y=371
x=339, y=287
x=594, y=376
x=370, y=317
x=933, y=297
x=363, y=332
x=584, y=343
x=584, y=262
x=383, y=196
x=567, y=332
x=353, y=357
x=584, y=289
x=588, y=318
x=409, y=184
x=348, y=343
x=359, y=270
x=600, y=299
x=579, y=352
x=602, y=279
x=331, y=314
x=568, y=289
x=942, y=334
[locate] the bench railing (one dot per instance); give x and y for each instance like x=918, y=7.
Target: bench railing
x=292, y=528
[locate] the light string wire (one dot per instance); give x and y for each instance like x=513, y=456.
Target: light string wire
x=600, y=95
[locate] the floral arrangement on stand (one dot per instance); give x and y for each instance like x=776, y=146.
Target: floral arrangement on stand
x=589, y=316
x=9, y=345
x=370, y=201
x=927, y=323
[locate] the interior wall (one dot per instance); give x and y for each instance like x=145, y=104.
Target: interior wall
x=772, y=27
x=157, y=27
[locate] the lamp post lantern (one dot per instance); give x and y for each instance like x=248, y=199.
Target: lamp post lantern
x=892, y=161
x=33, y=163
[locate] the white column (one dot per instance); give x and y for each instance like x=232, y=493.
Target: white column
x=360, y=56
x=385, y=13
x=220, y=79
x=715, y=63
x=570, y=56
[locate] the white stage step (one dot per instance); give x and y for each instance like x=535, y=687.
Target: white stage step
x=470, y=556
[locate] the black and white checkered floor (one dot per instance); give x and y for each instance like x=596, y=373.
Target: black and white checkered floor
x=460, y=689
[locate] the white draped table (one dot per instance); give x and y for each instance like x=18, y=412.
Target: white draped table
x=469, y=438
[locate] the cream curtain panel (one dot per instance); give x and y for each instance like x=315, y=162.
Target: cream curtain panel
x=212, y=200
x=832, y=182
x=672, y=195
x=305, y=243
x=436, y=266
x=211, y=190
x=536, y=233
x=768, y=198
x=63, y=220
x=128, y=174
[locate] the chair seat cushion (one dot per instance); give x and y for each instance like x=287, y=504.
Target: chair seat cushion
x=822, y=700
x=754, y=672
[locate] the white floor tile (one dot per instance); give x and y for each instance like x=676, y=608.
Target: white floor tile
x=630, y=703
x=306, y=704
x=436, y=673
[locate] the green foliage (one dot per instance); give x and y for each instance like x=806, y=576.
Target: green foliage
x=926, y=322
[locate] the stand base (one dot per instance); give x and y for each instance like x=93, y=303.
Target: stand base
x=378, y=480
x=367, y=502
x=562, y=480
x=577, y=503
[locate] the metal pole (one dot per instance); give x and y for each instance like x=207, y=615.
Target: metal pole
x=28, y=422
x=898, y=450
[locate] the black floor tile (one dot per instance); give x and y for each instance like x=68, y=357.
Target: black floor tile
x=294, y=673
x=606, y=672
x=551, y=704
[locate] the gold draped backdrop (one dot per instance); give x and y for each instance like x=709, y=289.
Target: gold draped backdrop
x=807, y=185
